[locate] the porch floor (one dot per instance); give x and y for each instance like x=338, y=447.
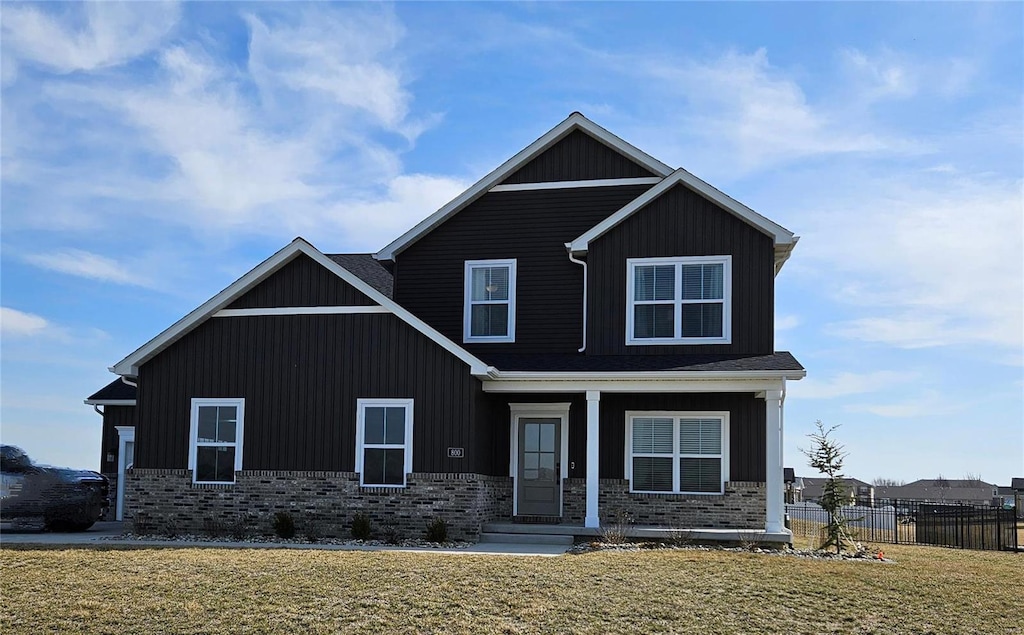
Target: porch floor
x=640, y=531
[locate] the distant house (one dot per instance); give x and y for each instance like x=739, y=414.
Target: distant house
x=941, y=491
x=1017, y=484
x=809, y=489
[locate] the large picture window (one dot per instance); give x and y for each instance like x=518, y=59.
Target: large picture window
x=215, y=439
x=384, y=441
x=682, y=300
x=490, y=301
x=683, y=453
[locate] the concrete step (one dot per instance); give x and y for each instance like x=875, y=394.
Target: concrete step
x=528, y=539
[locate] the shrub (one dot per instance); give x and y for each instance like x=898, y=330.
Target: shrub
x=678, y=538
x=241, y=526
x=361, y=528
x=312, y=531
x=617, y=530
x=437, y=530
x=141, y=524
x=284, y=526
x=392, y=535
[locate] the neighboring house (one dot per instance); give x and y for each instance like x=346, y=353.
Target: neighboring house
x=583, y=332
x=809, y=489
x=940, y=491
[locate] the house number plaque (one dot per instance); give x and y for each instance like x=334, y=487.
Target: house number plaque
x=456, y=453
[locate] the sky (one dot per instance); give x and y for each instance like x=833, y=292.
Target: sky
x=150, y=154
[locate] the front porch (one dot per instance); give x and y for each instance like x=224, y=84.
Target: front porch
x=565, y=533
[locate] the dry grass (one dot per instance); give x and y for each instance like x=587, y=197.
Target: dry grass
x=930, y=590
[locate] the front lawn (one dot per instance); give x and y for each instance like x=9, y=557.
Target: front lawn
x=90, y=590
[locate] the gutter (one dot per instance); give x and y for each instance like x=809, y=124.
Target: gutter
x=582, y=263
x=649, y=375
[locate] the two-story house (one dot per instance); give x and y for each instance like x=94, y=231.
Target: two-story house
x=584, y=332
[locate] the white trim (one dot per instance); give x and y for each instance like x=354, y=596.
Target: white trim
x=301, y=310
x=361, y=405
x=560, y=185
x=110, y=402
x=677, y=301
x=573, y=122
x=774, y=502
x=676, y=415
x=641, y=382
x=130, y=365
x=125, y=435
x=593, y=514
x=193, y=434
x=779, y=234
x=538, y=411
x=468, y=301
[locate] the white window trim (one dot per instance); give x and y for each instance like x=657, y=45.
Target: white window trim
x=676, y=455
x=468, y=302
x=725, y=261
x=361, y=405
x=193, y=435
x=125, y=435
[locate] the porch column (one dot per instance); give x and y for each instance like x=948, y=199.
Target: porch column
x=774, y=508
x=593, y=458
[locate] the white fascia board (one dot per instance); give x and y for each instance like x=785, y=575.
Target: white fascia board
x=654, y=375
x=780, y=235
x=575, y=121
x=634, y=385
x=129, y=366
x=110, y=402
x=568, y=185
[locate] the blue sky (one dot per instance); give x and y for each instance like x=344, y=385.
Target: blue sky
x=151, y=154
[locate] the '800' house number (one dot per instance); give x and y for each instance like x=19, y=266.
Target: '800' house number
x=456, y=453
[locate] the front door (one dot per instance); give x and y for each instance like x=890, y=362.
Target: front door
x=539, y=474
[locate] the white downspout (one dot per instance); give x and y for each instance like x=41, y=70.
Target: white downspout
x=583, y=264
x=129, y=382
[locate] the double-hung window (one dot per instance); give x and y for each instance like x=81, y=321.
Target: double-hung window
x=383, y=441
x=682, y=300
x=681, y=453
x=215, y=439
x=490, y=301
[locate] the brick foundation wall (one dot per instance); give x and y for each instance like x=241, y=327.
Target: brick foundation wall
x=319, y=502
x=741, y=507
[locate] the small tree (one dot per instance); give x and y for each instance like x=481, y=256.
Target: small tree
x=826, y=455
x=943, y=484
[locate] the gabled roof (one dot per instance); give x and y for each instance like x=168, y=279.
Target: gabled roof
x=116, y=393
x=369, y=270
x=575, y=121
x=129, y=366
x=783, y=239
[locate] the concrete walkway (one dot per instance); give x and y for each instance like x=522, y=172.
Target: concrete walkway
x=106, y=534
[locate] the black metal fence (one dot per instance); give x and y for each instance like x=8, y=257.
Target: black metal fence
x=916, y=522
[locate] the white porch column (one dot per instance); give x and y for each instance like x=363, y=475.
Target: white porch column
x=774, y=508
x=593, y=459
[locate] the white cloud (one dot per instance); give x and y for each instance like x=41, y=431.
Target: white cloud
x=928, y=263
x=929, y=404
x=878, y=77
x=15, y=323
x=846, y=384
x=84, y=264
x=88, y=36
x=787, y=322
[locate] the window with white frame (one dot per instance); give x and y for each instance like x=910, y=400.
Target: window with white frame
x=215, y=440
x=384, y=441
x=683, y=300
x=490, y=301
x=683, y=453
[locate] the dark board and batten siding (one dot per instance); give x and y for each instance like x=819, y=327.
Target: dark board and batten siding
x=577, y=157
x=302, y=282
x=300, y=377
x=531, y=226
x=683, y=223
x=114, y=416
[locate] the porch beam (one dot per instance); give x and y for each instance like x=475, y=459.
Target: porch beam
x=593, y=457
x=774, y=508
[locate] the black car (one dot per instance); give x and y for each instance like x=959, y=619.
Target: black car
x=64, y=499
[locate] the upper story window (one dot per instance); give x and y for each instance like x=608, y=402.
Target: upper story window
x=215, y=440
x=383, y=441
x=490, y=304
x=683, y=300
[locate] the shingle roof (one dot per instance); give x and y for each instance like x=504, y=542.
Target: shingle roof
x=116, y=390
x=1017, y=483
x=369, y=270
x=559, y=362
